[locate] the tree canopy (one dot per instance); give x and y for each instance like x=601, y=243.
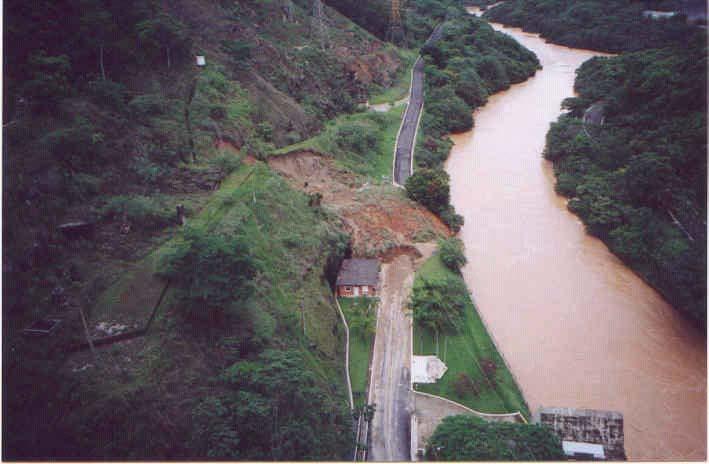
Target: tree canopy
x=468, y=438
x=639, y=180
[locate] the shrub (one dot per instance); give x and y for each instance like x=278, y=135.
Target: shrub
x=108, y=93
x=439, y=303
x=145, y=211
x=448, y=111
x=471, y=88
x=49, y=79
x=211, y=272
x=146, y=170
x=359, y=137
x=257, y=148
x=430, y=187
x=464, y=386
x=468, y=438
x=453, y=220
x=226, y=163
x=451, y=253
x=492, y=71
x=148, y=105
x=72, y=146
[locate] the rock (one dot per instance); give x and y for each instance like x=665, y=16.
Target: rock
x=111, y=328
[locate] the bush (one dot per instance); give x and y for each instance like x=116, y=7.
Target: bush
x=108, y=93
x=468, y=438
x=448, y=111
x=439, y=303
x=453, y=220
x=145, y=211
x=471, y=88
x=451, y=253
x=430, y=187
x=359, y=137
x=464, y=386
x=49, y=80
x=226, y=163
x=212, y=274
x=257, y=148
x=72, y=146
x=148, y=105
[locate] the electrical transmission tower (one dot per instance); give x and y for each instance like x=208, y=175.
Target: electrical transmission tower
x=318, y=23
x=288, y=10
x=395, y=32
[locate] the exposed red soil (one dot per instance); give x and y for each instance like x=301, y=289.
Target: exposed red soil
x=380, y=219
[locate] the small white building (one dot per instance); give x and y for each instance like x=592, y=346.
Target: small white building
x=200, y=61
x=583, y=451
x=653, y=14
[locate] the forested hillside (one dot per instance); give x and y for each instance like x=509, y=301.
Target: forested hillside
x=419, y=17
x=109, y=126
x=605, y=25
x=635, y=166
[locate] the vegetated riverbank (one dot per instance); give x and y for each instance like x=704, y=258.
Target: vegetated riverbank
x=477, y=376
x=558, y=303
x=603, y=25
x=470, y=62
x=638, y=181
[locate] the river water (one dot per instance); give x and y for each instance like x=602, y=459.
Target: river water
x=577, y=327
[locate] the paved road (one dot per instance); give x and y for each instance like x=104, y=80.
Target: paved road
x=392, y=357
x=407, y=132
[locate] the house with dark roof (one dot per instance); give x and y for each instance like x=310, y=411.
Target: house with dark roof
x=358, y=277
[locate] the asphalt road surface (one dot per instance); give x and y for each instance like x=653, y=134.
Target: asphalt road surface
x=407, y=132
x=390, y=428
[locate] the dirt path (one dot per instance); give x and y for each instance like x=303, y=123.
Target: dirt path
x=390, y=430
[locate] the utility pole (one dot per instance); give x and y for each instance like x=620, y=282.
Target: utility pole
x=288, y=10
x=318, y=23
x=395, y=33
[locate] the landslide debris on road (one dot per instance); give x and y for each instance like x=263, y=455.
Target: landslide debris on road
x=379, y=218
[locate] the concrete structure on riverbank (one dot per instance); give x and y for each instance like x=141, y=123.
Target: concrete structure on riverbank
x=587, y=426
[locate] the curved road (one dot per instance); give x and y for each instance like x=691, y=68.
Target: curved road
x=405, y=142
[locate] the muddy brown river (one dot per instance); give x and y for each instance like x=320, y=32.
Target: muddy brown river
x=577, y=327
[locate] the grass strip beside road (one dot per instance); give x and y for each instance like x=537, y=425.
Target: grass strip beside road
x=376, y=163
x=400, y=88
x=361, y=317
x=464, y=352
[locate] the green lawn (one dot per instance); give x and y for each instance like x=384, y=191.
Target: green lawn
x=400, y=87
x=361, y=317
x=377, y=164
x=462, y=352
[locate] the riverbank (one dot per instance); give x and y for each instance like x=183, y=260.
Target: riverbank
x=477, y=376
x=559, y=304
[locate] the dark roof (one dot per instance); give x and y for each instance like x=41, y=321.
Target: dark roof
x=359, y=272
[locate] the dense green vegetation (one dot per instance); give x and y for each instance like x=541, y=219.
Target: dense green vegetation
x=107, y=120
x=419, y=17
x=245, y=353
x=639, y=180
x=102, y=100
x=361, y=314
x=606, y=25
x=448, y=325
x=452, y=253
x=468, y=63
x=400, y=87
x=467, y=438
x=360, y=142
